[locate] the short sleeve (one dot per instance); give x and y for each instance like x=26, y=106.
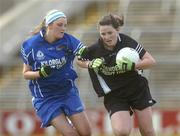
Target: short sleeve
x=130, y=42
x=26, y=54
x=76, y=44
x=140, y=50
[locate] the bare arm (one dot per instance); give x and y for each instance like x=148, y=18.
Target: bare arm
x=29, y=74
x=146, y=62
x=82, y=63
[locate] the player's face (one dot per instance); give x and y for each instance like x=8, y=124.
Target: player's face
x=109, y=35
x=58, y=28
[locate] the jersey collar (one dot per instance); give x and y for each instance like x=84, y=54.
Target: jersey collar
x=119, y=38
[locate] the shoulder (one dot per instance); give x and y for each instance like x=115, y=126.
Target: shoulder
x=95, y=50
x=94, y=46
x=125, y=37
x=127, y=40
x=69, y=36
x=130, y=42
x=32, y=41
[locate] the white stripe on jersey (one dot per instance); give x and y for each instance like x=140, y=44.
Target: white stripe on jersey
x=119, y=38
x=28, y=56
x=41, y=33
x=33, y=54
x=34, y=88
x=36, y=85
x=23, y=54
x=80, y=45
x=40, y=92
x=34, y=59
x=72, y=83
x=103, y=84
x=139, y=48
x=32, y=101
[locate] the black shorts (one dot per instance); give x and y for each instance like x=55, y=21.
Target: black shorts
x=135, y=95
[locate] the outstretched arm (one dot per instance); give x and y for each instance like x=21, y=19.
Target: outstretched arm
x=82, y=63
x=94, y=64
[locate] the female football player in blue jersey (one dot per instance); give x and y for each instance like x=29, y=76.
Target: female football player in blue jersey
x=48, y=57
x=124, y=89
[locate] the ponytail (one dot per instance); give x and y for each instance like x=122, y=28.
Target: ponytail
x=38, y=28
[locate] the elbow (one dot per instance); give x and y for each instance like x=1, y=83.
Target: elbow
x=25, y=77
x=78, y=62
x=153, y=61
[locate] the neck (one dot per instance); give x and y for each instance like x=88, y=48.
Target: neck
x=49, y=38
x=109, y=47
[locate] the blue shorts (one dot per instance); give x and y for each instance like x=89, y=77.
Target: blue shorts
x=50, y=107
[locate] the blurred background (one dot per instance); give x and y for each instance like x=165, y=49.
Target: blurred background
x=154, y=23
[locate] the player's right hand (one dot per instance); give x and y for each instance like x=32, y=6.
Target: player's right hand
x=45, y=71
x=126, y=65
x=95, y=63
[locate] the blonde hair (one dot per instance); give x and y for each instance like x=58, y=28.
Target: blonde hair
x=38, y=28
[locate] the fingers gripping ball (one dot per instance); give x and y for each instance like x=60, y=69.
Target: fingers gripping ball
x=126, y=58
x=95, y=63
x=126, y=65
x=45, y=71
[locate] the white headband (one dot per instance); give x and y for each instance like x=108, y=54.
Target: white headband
x=52, y=16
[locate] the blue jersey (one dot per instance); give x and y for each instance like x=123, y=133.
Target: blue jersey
x=37, y=52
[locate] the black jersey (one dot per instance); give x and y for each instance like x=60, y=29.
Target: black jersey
x=108, y=77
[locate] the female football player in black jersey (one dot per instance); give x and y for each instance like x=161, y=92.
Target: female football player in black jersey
x=124, y=90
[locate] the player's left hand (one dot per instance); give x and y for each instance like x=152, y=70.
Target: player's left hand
x=126, y=65
x=45, y=71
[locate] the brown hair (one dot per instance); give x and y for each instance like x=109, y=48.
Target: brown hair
x=115, y=20
x=38, y=28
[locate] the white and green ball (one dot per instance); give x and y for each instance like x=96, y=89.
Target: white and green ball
x=129, y=53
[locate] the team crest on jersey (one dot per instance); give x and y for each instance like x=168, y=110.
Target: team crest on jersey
x=40, y=55
x=60, y=47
